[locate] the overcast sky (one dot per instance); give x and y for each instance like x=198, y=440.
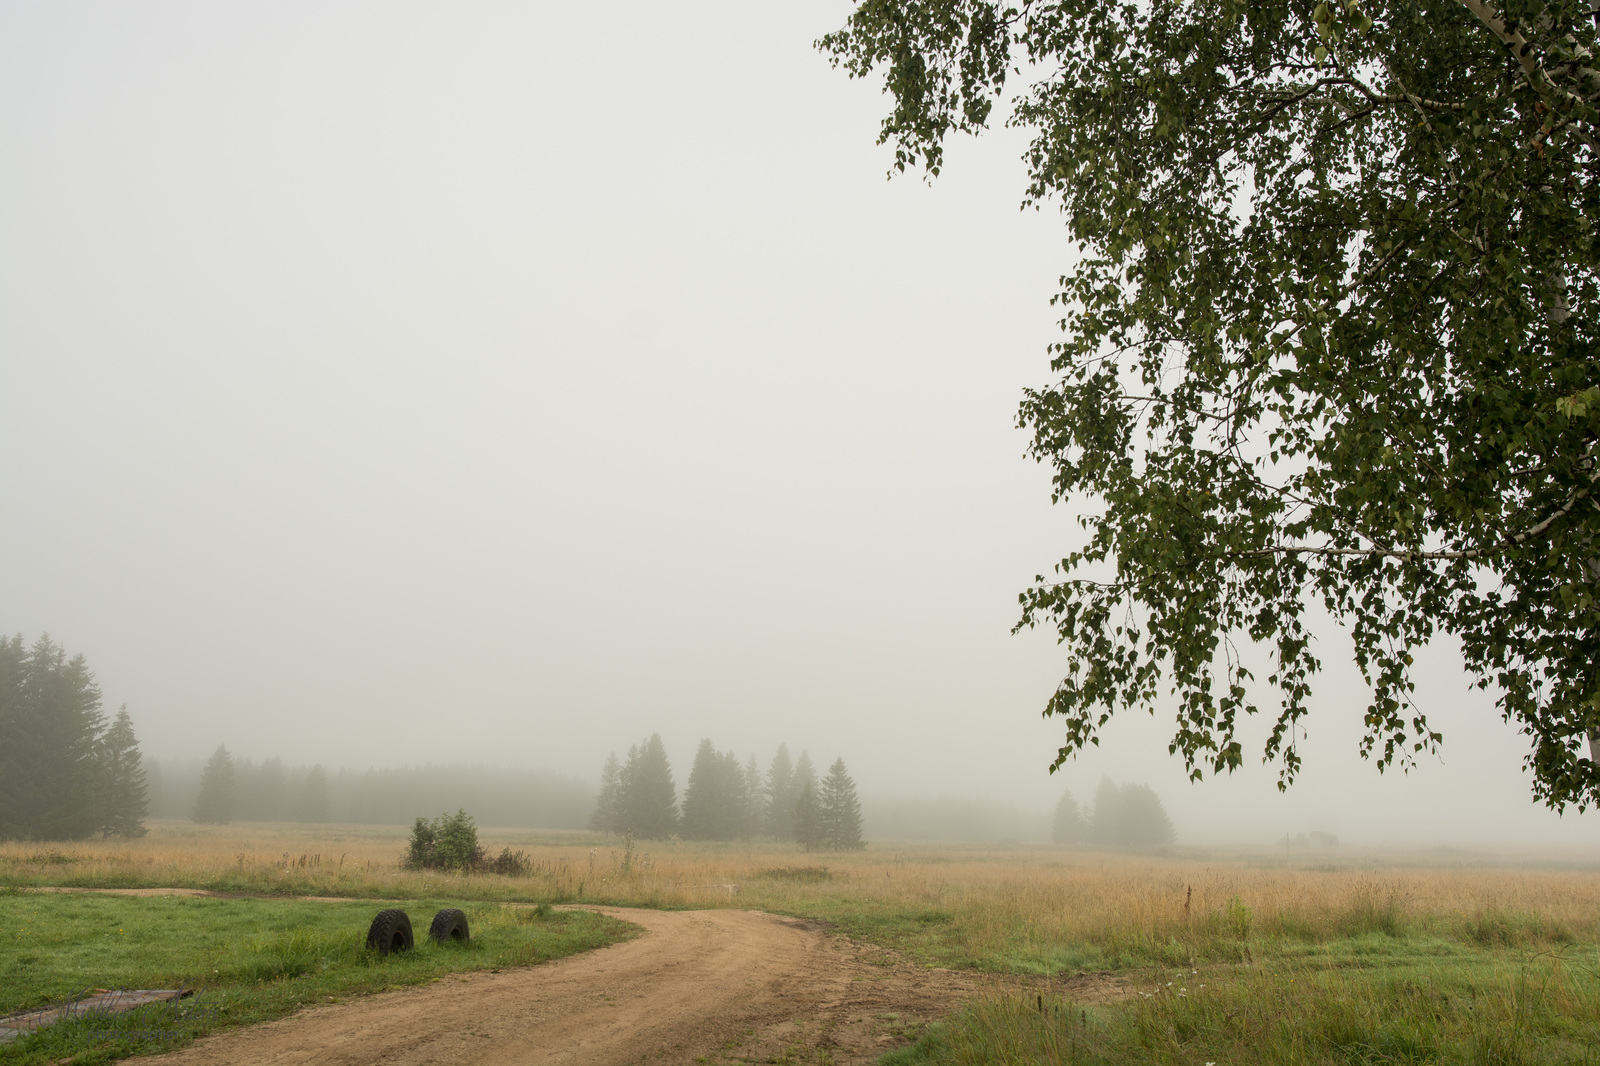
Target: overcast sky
x=387, y=383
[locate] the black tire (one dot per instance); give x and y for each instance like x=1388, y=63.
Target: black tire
x=449, y=924
x=390, y=931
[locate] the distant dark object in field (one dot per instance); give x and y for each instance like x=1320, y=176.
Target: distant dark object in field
x=449, y=924
x=391, y=931
x=1324, y=840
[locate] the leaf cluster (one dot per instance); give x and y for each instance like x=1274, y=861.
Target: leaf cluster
x=1329, y=341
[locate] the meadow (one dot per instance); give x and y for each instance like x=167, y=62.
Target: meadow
x=1325, y=956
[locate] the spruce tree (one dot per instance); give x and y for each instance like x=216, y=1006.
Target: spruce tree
x=215, y=804
x=123, y=791
x=735, y=800
x=1144, y=820
x=716, y=802
x=607, y=816
x=702, y=799
x=780, y=796
x=840, y=810
x=15, y=777
x=755, y=803
x=51, y=787
x=313, y=803
x=263, y=791
x=807, y=816
x=1129, y=816
x=650, y=797
x=1105, y=822
x=1069, y=826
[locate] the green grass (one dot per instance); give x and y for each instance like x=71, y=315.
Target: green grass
x=963, y=937
x=1496, y=1008
x=249, y=960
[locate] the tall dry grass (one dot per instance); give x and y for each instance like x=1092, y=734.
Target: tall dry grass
x=1032, y=909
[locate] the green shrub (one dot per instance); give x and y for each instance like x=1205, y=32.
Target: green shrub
x=511, y=863
x=449, y=842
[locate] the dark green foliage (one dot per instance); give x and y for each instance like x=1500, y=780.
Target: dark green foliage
x=727, y=801
x=449, y=842
x=510, y=863
x=839, y=811
x=218, y=790
x=607, y=817
x=1330, y=344
x=1069, y=826
x=64, y=774
x=703, y=802
x=1129, y=816
x=124, y=799
x=780, y=796
x=649, y=796
x=716, y=803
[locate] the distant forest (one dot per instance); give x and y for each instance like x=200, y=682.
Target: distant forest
x=1125, y=815
x=68, y=771
x=727, y=800
x=272, y=790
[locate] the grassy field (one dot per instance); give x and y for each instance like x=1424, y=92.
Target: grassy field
x=248, y=959
x=1317, y=957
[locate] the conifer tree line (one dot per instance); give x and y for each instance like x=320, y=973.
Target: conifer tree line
x=729, y=800
x=266, y=792
x=66, y=773
x=1125, y=815
x=230, y=788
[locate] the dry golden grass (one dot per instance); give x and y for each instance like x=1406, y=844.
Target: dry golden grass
x=1032, y=909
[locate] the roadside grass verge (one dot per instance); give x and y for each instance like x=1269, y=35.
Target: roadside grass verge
x=1030, y=910
x=249, y=960
x=1501, y=1008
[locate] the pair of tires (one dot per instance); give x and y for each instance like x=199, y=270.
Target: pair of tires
x=391, y=930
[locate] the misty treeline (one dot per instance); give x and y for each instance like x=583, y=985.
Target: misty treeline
x=65, y=771
x=272, y=790
x=729, y=800
x=1125, y=815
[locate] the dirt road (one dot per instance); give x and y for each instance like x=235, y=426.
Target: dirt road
x=729, y=985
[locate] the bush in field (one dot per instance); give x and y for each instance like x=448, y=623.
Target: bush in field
x=450, y=842
x=511, y=863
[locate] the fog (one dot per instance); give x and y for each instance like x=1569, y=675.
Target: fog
x=387, y=384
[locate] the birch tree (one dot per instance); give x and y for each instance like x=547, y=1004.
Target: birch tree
x=1329, y=342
